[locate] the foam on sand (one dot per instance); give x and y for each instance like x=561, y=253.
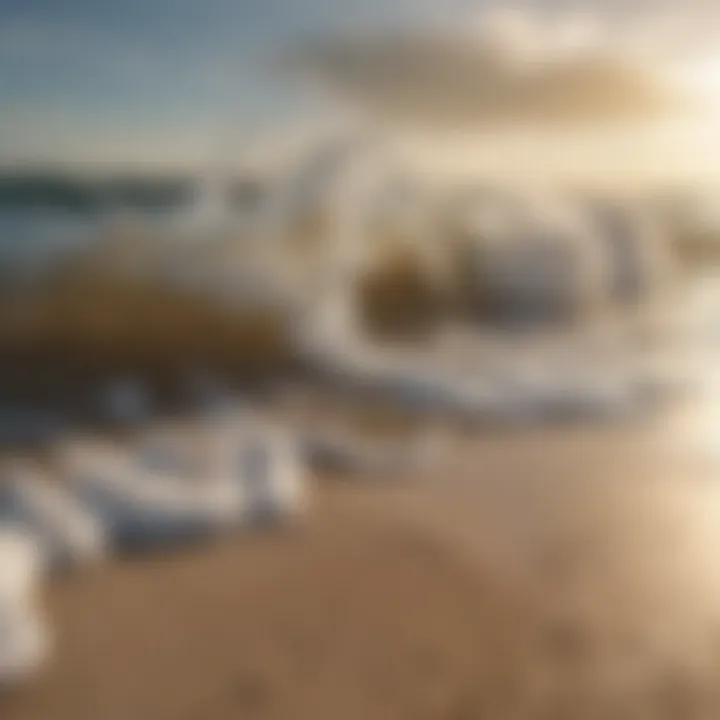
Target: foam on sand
x=165, y=491
x=24, y=636
x=68, y=533
x=141, y=508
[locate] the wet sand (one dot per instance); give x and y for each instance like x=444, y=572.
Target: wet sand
x=558, y=574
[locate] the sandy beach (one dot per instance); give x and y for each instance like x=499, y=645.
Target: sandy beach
x=560, y=574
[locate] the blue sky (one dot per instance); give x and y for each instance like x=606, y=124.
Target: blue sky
x=138, y=76
x=166, y=81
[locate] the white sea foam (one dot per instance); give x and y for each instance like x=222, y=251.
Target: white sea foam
x=68, y=533
x=24, y=635
x=176, y=485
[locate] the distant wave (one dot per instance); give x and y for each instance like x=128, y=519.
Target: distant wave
x=76, y=195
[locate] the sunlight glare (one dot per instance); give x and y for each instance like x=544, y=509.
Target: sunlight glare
x=702, y=79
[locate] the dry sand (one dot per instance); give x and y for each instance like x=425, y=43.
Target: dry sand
x=563, y=574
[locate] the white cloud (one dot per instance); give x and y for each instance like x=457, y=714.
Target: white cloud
x=510, y=65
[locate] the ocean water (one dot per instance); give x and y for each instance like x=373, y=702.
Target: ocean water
x=31, y=240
